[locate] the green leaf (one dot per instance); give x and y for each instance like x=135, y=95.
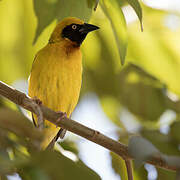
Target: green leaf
x=172, y=160
x=141, y=149
x=116, y=17
x=165, y=143
x=69, y=146
x=122, y=2
x=119, y=166
x=174, y=131
x=81, y=9
x=18, y=125
x=50, y=10
x=141, y=93
x=165, y=175
x=174, y=105
x=54, y=165
x=140, y=173
x=155, y=50
x=137, y=8
x=45, y=12
x=111, y=108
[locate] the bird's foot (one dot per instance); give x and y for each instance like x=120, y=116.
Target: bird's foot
x=40, y=119
x=37, y=101
x=62, y=116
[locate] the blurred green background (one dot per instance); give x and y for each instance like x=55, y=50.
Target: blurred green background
x=140, y=97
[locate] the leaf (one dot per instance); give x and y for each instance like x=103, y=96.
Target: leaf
x=141, y=93
x=165, y=175
x=81, y=9
x=119, y=166
x=174, y=131
x=122, y=3
x=172, y=160
x=111, y=108
x=54, y=165
x=50, y=10
x=35, y=165
x=18, y=124
x=6, y=165
x=116, y=17
x=69, y=146
x=165, y=143
x=140, y=173
x=137, y=7
x=153, y=49
x=45, y=12
x=174, y=105
x=141, y=149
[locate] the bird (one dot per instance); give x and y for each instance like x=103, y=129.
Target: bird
x=56, y=73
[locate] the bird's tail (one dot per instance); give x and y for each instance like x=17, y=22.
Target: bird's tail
x=61, y=133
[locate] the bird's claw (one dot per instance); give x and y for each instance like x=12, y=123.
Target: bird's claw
x=62, y=116
x=37, y=101
x=40, y=120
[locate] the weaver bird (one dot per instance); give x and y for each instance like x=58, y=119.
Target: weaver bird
x=56, y=73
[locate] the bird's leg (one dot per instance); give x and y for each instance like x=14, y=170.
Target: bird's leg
x=62, y=131
x=62, y=115
x=37, y=101
x=52, y=143
x=40, y=120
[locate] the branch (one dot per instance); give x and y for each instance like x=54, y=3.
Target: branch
x=22, y=100
x=129, y=169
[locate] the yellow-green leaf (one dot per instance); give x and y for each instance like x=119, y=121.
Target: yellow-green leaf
x=137, y=8
x=50, y=10
x=116, y=17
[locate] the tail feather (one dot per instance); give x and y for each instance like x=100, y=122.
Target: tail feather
x=46, y=144
x=61, y=133
x=34, y=122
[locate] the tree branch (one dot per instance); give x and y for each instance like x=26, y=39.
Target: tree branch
x=129, y=169
x=22, y=100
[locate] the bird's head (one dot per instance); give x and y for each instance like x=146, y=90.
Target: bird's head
x=72, y=30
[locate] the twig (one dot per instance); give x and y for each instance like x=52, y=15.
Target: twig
x=122, y=150
x=129, y=169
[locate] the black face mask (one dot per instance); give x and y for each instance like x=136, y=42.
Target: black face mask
x=78, y=32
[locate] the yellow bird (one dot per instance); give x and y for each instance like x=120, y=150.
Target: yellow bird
x=56, y=72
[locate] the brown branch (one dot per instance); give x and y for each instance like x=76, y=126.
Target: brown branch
x=129, y=169
x=122, y=150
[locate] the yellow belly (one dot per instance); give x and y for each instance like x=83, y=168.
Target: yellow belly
x=56, y=80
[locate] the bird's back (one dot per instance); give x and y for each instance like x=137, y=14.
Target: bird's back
x=56, y=80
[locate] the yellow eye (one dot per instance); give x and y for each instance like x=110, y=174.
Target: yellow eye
x=74, y=26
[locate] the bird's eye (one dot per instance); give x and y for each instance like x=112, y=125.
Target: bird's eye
x=74, y=26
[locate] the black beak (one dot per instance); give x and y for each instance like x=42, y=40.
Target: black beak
x=86, y=28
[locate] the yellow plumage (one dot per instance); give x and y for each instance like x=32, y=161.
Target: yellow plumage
x=56, y=75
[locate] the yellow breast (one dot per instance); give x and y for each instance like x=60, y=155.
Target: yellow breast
x=56, y=80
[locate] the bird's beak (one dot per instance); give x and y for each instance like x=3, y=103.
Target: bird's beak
x=86, y=28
